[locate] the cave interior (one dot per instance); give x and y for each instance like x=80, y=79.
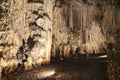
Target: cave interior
x=59, y=39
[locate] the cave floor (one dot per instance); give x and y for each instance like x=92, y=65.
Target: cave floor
x=65, y=70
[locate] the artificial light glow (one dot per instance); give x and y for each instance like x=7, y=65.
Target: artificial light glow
x=52, y=72
x=46, y=74
x=103, y=56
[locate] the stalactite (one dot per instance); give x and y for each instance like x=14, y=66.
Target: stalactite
x=90, y=37
x=32, y=31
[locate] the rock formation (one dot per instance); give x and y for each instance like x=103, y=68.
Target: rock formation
x=25, y=34
x=84, y=24
x=32, y=31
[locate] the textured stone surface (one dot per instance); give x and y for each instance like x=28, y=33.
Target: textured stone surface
x=114, y=65
x=25, y=34
x=87, y=24
x=32, y=31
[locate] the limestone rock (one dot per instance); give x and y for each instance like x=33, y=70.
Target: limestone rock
x=32, y=31
x=40, y=22
x=25, y=33
x=85, y=24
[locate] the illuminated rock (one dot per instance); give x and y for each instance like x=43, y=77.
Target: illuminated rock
x=38, y=27
x=40, y=22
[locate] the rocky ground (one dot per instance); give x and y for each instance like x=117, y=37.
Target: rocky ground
x=65, y=70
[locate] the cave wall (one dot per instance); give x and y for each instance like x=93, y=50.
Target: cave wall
x=88, y=26
x=84, y=26
x=25, y=34
x=31, y=31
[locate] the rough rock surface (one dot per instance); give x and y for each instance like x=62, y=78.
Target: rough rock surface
x=87, y=26
x=114, y=65
x=31, y=31
x=25, y=34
